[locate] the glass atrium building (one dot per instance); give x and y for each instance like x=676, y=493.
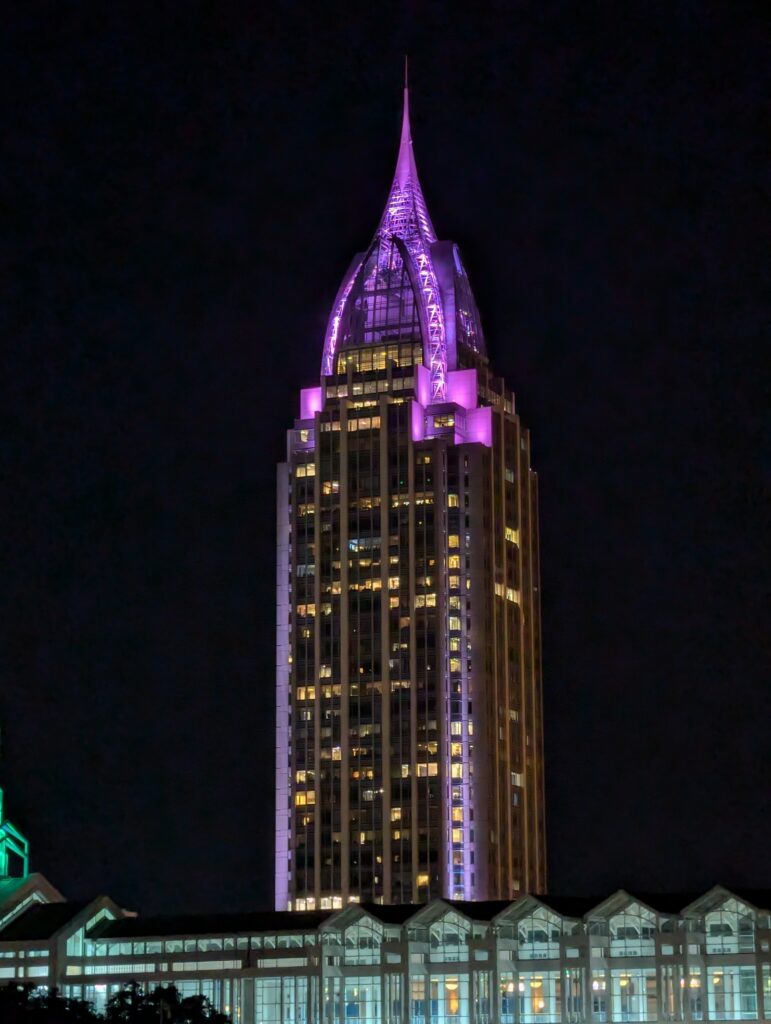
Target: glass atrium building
x=627, y=958
x=409, y=732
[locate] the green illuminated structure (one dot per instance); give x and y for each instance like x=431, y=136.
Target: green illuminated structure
x=14, y=848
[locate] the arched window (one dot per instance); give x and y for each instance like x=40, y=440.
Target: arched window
x=382, y=306
x=362, y=942
x=539, y=935
x=449, y=939
x=633, y=932
x=730, y=928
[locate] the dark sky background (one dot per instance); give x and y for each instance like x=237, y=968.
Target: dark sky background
x=183, y=186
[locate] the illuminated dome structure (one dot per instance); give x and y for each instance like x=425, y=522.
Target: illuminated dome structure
x=407, y=286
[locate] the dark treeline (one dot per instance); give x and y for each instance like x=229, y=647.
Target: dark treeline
x=132, y=1005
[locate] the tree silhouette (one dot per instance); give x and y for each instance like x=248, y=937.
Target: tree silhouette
x=23, y=1004
x=164, y=1005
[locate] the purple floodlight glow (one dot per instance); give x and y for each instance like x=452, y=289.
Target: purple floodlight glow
x=479, y=425
x=423, y=385
x=418, y=421
x=333, y=327
x=437, y=349
x=405, y=217
x=406, y=214
x=462, y=388
x=311, y=402
x=283, y=823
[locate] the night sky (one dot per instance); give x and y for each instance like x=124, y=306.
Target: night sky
x=183, y=186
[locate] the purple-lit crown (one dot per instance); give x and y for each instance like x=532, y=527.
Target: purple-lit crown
x=407, y=286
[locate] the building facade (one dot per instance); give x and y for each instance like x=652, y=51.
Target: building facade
x=409, y=709
x=550, y=961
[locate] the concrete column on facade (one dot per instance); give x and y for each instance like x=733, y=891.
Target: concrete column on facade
x=284, y=824
x=500, y=429
x=247, y=1001
x=414, y=844
x=495, y=979
x=589, y=1009
x=316, y=661
x=480, y=688
x=345, y=687
x=385, y=654
x=527, y=692
x=761, y=1003
x=310, y=1008
x=405, y=979
x=442, y=684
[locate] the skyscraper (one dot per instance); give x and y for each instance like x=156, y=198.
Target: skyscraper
x=409, y=718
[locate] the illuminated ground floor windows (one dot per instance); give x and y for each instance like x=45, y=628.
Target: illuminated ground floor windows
x=526, y=962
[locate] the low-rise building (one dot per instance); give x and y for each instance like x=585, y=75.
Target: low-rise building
x=626, y=958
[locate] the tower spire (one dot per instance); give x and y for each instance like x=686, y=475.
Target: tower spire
x=405, y=164
x=406, y=205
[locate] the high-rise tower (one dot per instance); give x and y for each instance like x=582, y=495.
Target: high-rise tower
x=409, y=719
